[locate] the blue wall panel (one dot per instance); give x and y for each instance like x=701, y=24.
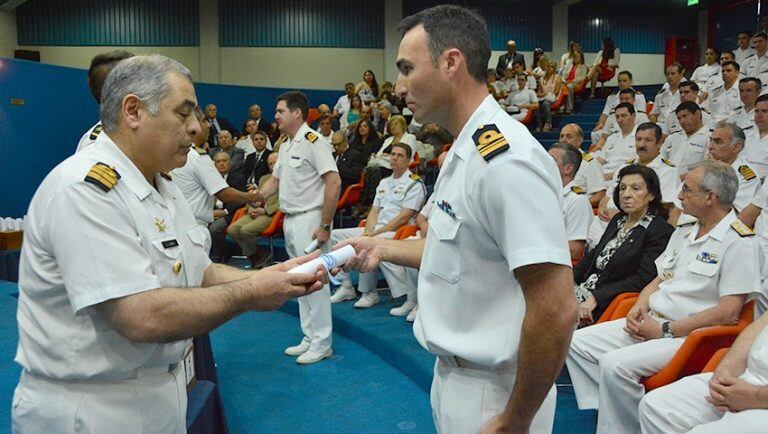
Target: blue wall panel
x=635, y=28
x=301, y=23
x=727, y=21
x=109, y=22
x=528, y=23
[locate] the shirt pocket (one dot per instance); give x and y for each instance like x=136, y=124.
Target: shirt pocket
x=165, y=252
x=295, y=162
x=445, y=262
x=197, y=254
x=703, y=269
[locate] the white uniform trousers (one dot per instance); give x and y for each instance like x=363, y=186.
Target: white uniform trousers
x=367, y=281
x=155, y=403
x=680, y=408
x=606, y=366
x=315, y=308
x=464, y=400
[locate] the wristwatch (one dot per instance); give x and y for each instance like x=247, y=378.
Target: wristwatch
x=665, y=331
x=326, y=228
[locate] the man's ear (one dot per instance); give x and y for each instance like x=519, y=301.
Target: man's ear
x=130, y=110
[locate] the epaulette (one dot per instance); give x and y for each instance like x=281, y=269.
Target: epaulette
x=746, y=128
x=587, y=156
x=415, y=177
x=686, y=223
x=312, y=137
x=630, y=161
x=200, y=151
x=102, y=176
x=96, y=131
x=751, y=55
x=747, y=172
x=166, y=176
x=741, y=228
x=667, y=162
x=578, y=190
x=489, y=141
x=660, y=91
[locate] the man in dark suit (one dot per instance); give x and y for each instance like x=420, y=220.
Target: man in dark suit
x=508, y=59
x=254, y=114
x=256, y=164
x=222, y=214
x=218, y=124
x=227, y=144
x=349, y=161
x=382, y=120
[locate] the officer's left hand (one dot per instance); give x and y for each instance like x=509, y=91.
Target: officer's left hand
x=645, y=329
x=498, y=425
x=321, y=235
x=732, y=394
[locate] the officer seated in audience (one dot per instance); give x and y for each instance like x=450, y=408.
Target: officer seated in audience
x=733, y=399
x=687, y=147
x=749, y=91
x=723, y=97
x=398, y=198
x=624, y=80
x=620, y=146
x=669, y=96
x=705, y=275
x=688, y=92
x=349, y=161
x=520, y=99
x=223, y=213
x=628, y=96
x=577, y=212
x=726, y=144
x=590, y=173
x=756, y=146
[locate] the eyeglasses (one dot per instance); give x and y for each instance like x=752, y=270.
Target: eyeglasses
x=686, y=190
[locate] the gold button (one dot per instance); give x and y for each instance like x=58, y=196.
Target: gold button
x=177, y=267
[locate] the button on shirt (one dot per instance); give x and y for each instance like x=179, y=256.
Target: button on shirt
x=199, y=181
x=392, y=195
x=577, y=213
x=696, y=273
x=489, y=218
x=299, y=170
x=756, y=152
x=84, y=246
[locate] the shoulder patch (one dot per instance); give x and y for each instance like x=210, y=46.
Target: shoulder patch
x=312, y=137
x=489, y=141
x=102, y=176
x=587, y=156
x=166, y=176
x=667, y=162
x=201, y=151
x=96, y=131
x=415, y=177
x=741, y=228
x=578, y=190
x=747, y=172
x=686, y=223
x=630, y=161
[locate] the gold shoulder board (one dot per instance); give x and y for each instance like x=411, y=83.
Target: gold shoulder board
x=741, y=228
x=96, y=131
x=587, y=156
x=578, y=190
x=489, y=141
x=312, y=137
x=747, y=172
x=102, y=176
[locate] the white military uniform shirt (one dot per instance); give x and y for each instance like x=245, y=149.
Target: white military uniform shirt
x=743, y=118
x=590, y=174
x=696, y=273
x=741, y=55
x=199, y=181
x=665, y=104
x=518, y=97
x=300, y=166
x=84, y=246
x=577, y=212
x=669, y=181
x=480, y=230
x=612, y=126
x=613, y=100
x=618, y=149
x=89, y=137
x=684, y=150
x=703, y=73
x=757, y=66
x=246, y=144
x=342, y=108
x=672, y=125
x=756, y=152
x=749, y=183
x=724, y=102
x=392, y=195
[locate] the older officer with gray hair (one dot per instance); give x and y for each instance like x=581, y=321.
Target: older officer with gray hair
x=115, y=280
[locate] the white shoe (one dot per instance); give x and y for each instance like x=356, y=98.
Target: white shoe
x=412, y=314
x=403, y=310
x=312, y=357
x=298, y=350
x=368, y=299
x=344, y=293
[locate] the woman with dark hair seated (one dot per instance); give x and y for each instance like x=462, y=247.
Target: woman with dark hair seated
x=623, y=260
x=365, y=139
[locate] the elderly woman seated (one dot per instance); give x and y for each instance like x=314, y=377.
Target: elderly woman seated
x=623, y=260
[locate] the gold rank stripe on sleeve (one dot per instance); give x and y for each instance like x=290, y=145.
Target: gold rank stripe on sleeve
x=741, y=228
x=312, y=137
x=489, y=141
x=96, y=131
x=102, y=176
x=747, y=172
x=578, y=190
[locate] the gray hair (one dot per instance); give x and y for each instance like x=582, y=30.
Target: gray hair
x=720, y=178
x=143, y=76
x=737, y=134
x=386, y=104
x=571, y=155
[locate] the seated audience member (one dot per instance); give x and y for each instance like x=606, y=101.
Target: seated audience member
x=726, y=144
x=688, y=92
x=628, y=96
x=519, y=69
x=605, y=64
x=717, y=80
x=620, y=146
x=222, y=214
x=256, y=164
x=343, y=105
x=368, y=89
x=547, y=93
x=226, y=144
x=495, y=86
x=733, y=399
x=566, y=60
x=703, y=73
x=723, y=98
x=434, y=136
x=520, y=100
x=538, y=65
x=624, y=79
x=246, y=141
x=365, y=140
x=749, y=91
x=381, y=120
x=623, y=259
x=349, y=161
x=577, y=212
x=388, y=94
x=218, y=124
x=755, y=66
x=743, y=50
x=509, y=58
x=687, y=147
x=246, y=230
x=508, y=82
x=324, y=127
x=590, y=174
x=255, y=114
x=398, y=199
x=705, y=275
x=756, y=146
x=355, y=110
x=572, y=78
x=669, y=96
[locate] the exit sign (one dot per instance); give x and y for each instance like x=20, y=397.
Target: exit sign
x=693, y=2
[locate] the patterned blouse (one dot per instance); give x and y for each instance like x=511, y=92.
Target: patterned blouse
x=584, y=290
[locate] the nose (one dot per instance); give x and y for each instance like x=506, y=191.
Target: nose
x=195, y=127
x=400, y=88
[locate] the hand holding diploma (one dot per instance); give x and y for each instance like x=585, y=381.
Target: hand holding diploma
x=368, y=254
x=273, y=286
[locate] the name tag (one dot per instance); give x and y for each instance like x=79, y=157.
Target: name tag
x=170, y=243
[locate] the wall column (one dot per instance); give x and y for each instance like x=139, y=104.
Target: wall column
x=393, y=13
x=209, y=50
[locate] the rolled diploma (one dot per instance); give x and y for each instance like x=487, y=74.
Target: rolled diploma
x=336, y=258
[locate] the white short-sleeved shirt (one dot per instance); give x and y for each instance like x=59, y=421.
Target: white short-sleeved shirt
x=756, y=152
x=84, y=246
x=392, y=195
x=519, y=97
x=740, y=55
x=89, y=137
x=757, y=361
x=614, y=61
x=613, y=100
x=744, y=119
x=577, y=212
x=696, y=273
x=590, y=174
x=342, y=107
x=665, y=104
x=300, y=166
x=684, y=150
x=481, y=229
x=672, y=125
x=724, y=102
x=703, y=73
x=757, y=67
x=612, y=126
x=749, y=183
x=246, y=144
x=618, y=149
x=199, y=181
x=669, y=181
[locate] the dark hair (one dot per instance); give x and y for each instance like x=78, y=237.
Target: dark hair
x=762, y=98
x=755, y=80
x=628, y=91
x=650, y=126
x=518, y=62
x=689, y=106
x=322, y=117
x=110, y=59
x=627, y=73
x=451, y=26
x=677, y=65
x=728, y=52
x=608, y=48
x=745, y=32
x=717, y=52
x=372, y=143
x=374, y=84
x=731, y=63
x=692, y=84
x=652, y=184
x=571, y=156
x=760, y=35
x=404, y=147
x=625, y=105
x=295, y=100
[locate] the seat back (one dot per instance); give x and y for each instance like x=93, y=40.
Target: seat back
x=612, y=308
x=406, y=231
x=275, y=225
